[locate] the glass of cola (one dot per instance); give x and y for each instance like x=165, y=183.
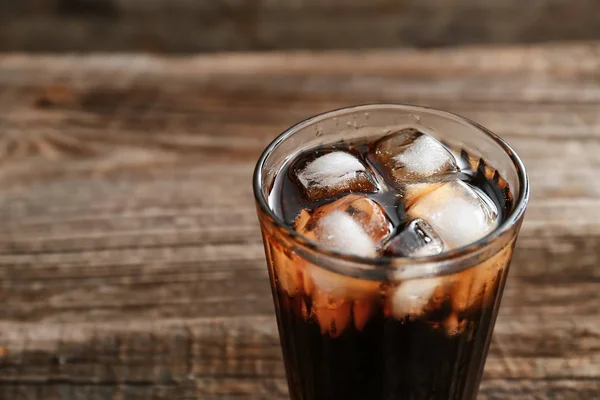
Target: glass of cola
x=388, y=233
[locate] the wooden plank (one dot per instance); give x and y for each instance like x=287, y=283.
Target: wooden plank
x=528, y=390
x=131, y=264
x=275, y=390
x=495, y=390
x=525, y=347
x=190, y=26
x=173, y=282
x=213, y=354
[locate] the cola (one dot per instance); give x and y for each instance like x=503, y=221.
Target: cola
x=392, y=330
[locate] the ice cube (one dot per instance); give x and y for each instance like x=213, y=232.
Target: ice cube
x=332, y=313
x=353, y=224
x=454, y=325
x=418, y=239
x=412, y=156
x=458, y=212
x=334, y=173
x=413, y=296
x=336, y=299
x=341, y=232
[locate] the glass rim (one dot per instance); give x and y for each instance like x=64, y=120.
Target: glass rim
x=447, y=257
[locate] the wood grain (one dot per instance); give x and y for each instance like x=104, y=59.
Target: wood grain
x=131, y=265
x=178, y=26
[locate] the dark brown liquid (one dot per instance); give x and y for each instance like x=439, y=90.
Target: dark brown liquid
x=387, y=358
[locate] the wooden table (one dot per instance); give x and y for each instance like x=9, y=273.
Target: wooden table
x=131, y=264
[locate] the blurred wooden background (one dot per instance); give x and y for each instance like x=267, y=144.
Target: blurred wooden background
x=178, y=26
x=131, y=262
